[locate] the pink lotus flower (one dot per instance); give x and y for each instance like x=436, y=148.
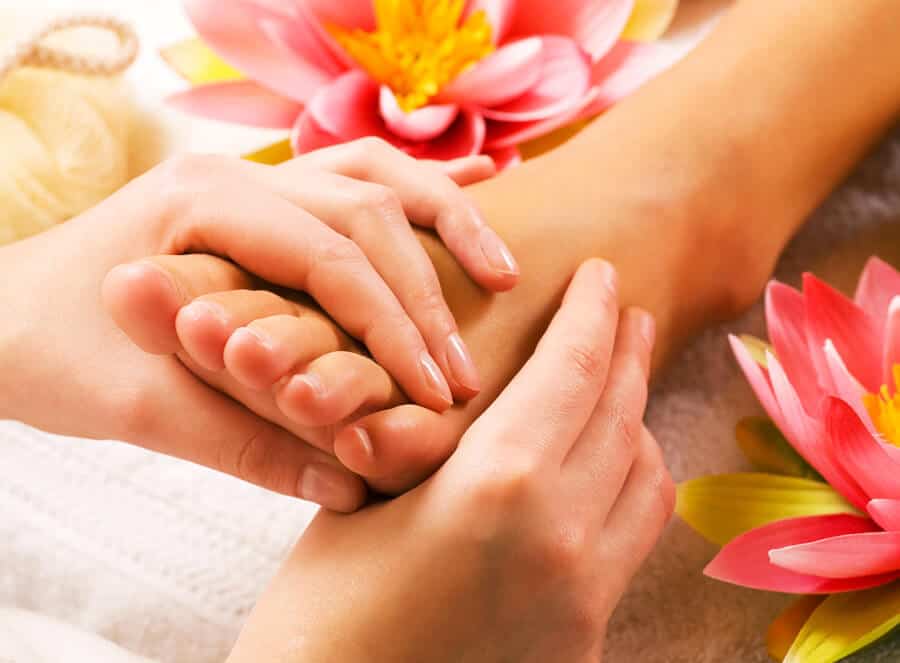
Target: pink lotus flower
x=438, y=78
x=825, y=388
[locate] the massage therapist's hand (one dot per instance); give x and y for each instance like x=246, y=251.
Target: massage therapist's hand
x=333, y=224
x=520, y=546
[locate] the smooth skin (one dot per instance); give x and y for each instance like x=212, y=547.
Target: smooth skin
x=521, y=545
x=327, y=225
x=693, y=205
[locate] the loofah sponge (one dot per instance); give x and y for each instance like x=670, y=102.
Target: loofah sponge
x=64, y=135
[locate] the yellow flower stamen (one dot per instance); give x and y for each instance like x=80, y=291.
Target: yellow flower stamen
x=884, y=409
x=418, y=46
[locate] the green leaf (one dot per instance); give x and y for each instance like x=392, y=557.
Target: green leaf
x=769, y=451
x=725, y=506
x=845, y=623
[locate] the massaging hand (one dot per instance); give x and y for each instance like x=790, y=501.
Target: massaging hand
x=520, y=546
x=333, y=224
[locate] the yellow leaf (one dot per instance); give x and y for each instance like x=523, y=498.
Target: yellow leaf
x=650, y=19
x=787, y=625
x=845, y=623
x=769, y=451
x=272, y=154
x=197, y=63
x=725, y=506
x=757, y=349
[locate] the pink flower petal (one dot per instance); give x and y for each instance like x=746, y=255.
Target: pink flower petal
x=503, y=135
x=758, y=377
x=886, y=513
x=891, y=352
x=786, y=320
x=421, y=124
x=745, y=561
x=232, y=30
x=505, y=158
x=348, y=107
x=562, y=84
x=499, y=13
x=595, y=25
x=305, y=38
x=847, y=556
x=465, y=137
x=500, y=77
x=807, y=434
x=307, y=135
x=845, y=386
x=242, y=102
x=878, y=284
x=347, y=14
x=627, y=67
x=831, y=315
x=862, y=455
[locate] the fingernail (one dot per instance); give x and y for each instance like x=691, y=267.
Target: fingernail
x=200, y=310
x=461, y=365
x=497, y=254
x=608, y=275
x=434, y=378
x=364, y=442
x=327, y=486
x=260, y=337
x=311, y=380
x=647, y=327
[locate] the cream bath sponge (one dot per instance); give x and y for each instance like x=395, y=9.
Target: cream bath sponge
x=65, y=123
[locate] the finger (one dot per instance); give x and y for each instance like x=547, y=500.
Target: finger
x=642, y=509
x=373, y=217
x=266, y=350
x=466, y=170
x=206, y=323
x=546, y=406
x=144, y=297
x=396, y=449
x=227, y=437
x=431, y=199
x=600, y=459
x=335, y=387
x=287, y=246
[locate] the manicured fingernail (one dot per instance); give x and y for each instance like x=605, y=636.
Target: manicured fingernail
x=327, y=486
x=200, y=310
x=256, y=336
x=497, y=254
x=364, y=442
x=461, y=365
x=608, y=275
x=434, y=378
x=647, y=326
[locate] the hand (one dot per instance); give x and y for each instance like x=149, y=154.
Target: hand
x=66, y=368
x=520, y=546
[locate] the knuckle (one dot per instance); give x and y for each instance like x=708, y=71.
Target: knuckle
x=587, y=360
x=250, y=459
x=505, y=488
x=341, y=251
x=377, y=202
x=372, y=145
x=183, y=179
x=559, y=551
x=623, y=427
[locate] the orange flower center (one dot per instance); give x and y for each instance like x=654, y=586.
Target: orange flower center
x=884, y=409
x=418, y=46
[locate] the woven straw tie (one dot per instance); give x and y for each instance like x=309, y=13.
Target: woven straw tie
x=30, y=52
